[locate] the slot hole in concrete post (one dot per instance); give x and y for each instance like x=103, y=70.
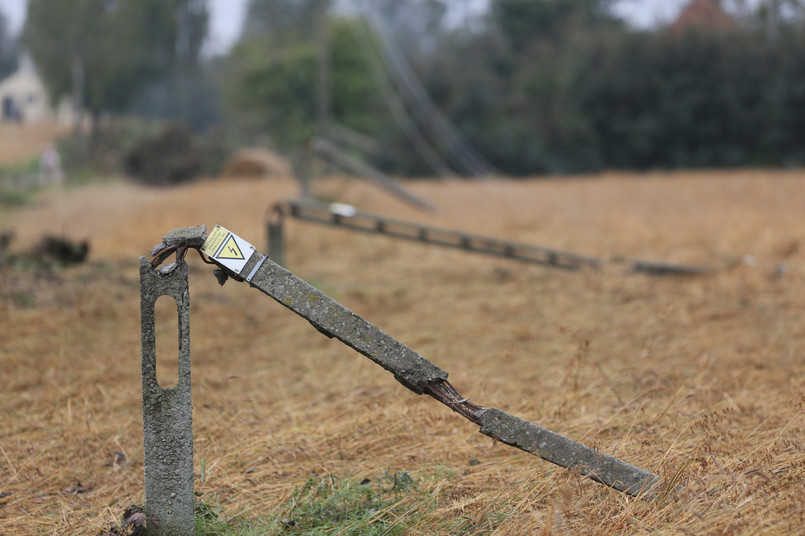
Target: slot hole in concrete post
x=167, y=332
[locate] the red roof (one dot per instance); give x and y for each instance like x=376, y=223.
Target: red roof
x=703, y=14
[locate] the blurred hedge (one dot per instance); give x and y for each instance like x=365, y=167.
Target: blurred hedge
x=537, y=86
x=149, y=152
x=645, y=100
x=698, y=100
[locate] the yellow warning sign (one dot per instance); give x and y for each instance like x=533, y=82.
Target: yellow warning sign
x=230, y=250
x=214, y=240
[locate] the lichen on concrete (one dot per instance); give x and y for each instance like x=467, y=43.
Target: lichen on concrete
x=167, y=413
x=421, y=376
x=192, y=237
x=568, y=453
x=335, y=320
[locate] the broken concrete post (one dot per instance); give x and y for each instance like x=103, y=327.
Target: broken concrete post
x=334, y=320
x=415, y=372
x=347, y=217
x=192, y=237
x=568, y=453
x=167, y=413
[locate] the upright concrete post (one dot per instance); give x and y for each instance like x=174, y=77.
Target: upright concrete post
x=167, y=413
x=276, y=237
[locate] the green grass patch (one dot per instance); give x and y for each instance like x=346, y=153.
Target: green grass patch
x=392, y=505
x=15, y=198
x=26, y=167
x=16, y=186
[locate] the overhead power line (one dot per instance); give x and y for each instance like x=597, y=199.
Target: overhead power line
x=396, y=106
x=450, y=140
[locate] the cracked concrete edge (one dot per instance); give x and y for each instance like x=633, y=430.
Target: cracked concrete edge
x=192, y=237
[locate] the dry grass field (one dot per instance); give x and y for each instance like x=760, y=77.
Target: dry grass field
x=701, y=378
x=22, y=142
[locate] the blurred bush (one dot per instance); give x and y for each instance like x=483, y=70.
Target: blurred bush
x=170, y=156
x=149, y=152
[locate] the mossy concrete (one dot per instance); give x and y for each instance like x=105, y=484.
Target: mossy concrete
x=334, y=320
x=167, y=413
x=568, y=453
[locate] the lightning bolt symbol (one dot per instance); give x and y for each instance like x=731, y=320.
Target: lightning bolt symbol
x=233, y=250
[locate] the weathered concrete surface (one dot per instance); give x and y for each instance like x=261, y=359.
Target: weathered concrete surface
x=167, y=413
x=567, y=453
x=335, y=320
x=192, y=237
x=421, y=376
x=365, y=222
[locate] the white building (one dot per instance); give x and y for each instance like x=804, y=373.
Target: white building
x=24, y=98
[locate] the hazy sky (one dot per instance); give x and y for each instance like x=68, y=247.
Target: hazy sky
x=226, y=19
x=227, y=16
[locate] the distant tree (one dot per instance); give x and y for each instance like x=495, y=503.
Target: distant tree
x=281, y=20
x=539, y=86
x=523, y=22
x=103, y=52
x=518, y=104
x=779, y=17
x=188, y=95
x=698, y=100
x=421, y=18
x=273, y=89
x=186, y=92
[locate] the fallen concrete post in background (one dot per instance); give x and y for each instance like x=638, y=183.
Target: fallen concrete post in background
x=348, y=217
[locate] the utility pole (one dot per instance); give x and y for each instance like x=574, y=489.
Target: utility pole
x=324, y=92
x=325, y=96
x=77, y=75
